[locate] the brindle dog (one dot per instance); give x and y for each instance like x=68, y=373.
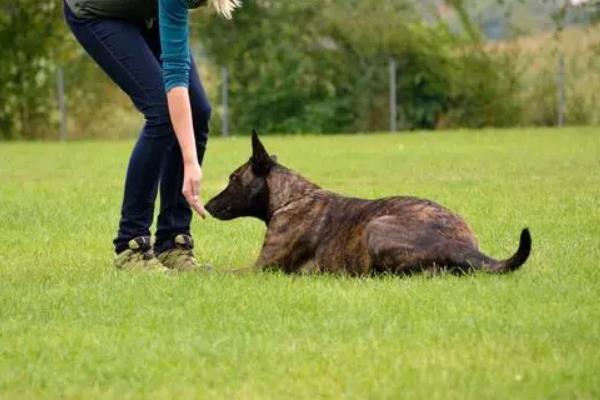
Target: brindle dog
x=314, y=230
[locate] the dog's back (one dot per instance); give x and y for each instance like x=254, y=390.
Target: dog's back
x=340, y=232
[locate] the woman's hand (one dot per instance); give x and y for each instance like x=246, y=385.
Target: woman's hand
x=192, y=180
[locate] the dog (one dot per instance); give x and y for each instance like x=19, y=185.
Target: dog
x=312, y=230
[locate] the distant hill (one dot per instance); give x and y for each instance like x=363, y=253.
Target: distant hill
x=509, y=18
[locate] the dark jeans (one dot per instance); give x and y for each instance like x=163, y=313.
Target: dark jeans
x=129, y=53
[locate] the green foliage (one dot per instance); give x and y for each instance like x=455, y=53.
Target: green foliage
x=328, y=70
x=309, y=66
x=34, y=42
x=537, y=58
x=72, y=327
x=484, y=90
x=29, y=39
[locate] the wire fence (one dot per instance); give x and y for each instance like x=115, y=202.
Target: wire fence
x=560, y=90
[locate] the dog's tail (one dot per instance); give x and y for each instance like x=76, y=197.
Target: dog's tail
x=479, y=260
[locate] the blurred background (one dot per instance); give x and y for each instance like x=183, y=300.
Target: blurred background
x=325, y=66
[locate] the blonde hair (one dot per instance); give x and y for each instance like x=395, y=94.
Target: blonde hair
x=226, y=7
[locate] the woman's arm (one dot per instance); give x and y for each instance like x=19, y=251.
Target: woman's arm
x=181, y=117
x=174, y=31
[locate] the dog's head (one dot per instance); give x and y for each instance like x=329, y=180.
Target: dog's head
x=247, y=194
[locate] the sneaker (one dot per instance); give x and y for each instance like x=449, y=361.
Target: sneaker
x=181, y=257
x=139, y=257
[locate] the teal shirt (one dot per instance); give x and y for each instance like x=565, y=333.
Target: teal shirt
x=174, y=34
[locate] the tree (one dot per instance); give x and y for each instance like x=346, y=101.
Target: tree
x=321, y=66
x=30, y=36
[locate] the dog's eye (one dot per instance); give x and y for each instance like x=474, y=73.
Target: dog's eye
x=234, y=178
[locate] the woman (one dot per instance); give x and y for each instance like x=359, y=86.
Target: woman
x=143, y=47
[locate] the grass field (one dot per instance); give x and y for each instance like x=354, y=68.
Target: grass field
x=73, y=327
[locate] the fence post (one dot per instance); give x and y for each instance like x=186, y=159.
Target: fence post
x=560, y=83
x=225, y=100
x=393, y=96
x=62, y=107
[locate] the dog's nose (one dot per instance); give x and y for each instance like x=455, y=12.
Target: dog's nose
x=209, y=207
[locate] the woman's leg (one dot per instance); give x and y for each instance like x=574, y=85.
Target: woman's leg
x=120, y=48
x=175, y=213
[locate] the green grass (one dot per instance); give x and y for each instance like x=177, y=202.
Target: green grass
x=73, y=327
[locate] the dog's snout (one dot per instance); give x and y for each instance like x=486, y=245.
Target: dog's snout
x=217, y=209
x=209, y=207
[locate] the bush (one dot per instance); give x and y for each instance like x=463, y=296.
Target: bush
x=330, y=73
x=28, y=39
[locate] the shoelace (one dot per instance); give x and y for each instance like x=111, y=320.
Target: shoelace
x=147, y=255
x=186, y=252
x=142, y=245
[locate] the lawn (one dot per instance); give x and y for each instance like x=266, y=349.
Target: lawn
x=71, y=326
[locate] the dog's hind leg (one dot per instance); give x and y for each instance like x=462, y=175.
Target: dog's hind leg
x=396, y=246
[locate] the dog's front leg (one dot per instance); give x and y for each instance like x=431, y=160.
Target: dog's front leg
x=275, y=254
x=264, y=262
x=258, y=266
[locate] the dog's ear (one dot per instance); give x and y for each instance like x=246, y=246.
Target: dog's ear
x=260, y=160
